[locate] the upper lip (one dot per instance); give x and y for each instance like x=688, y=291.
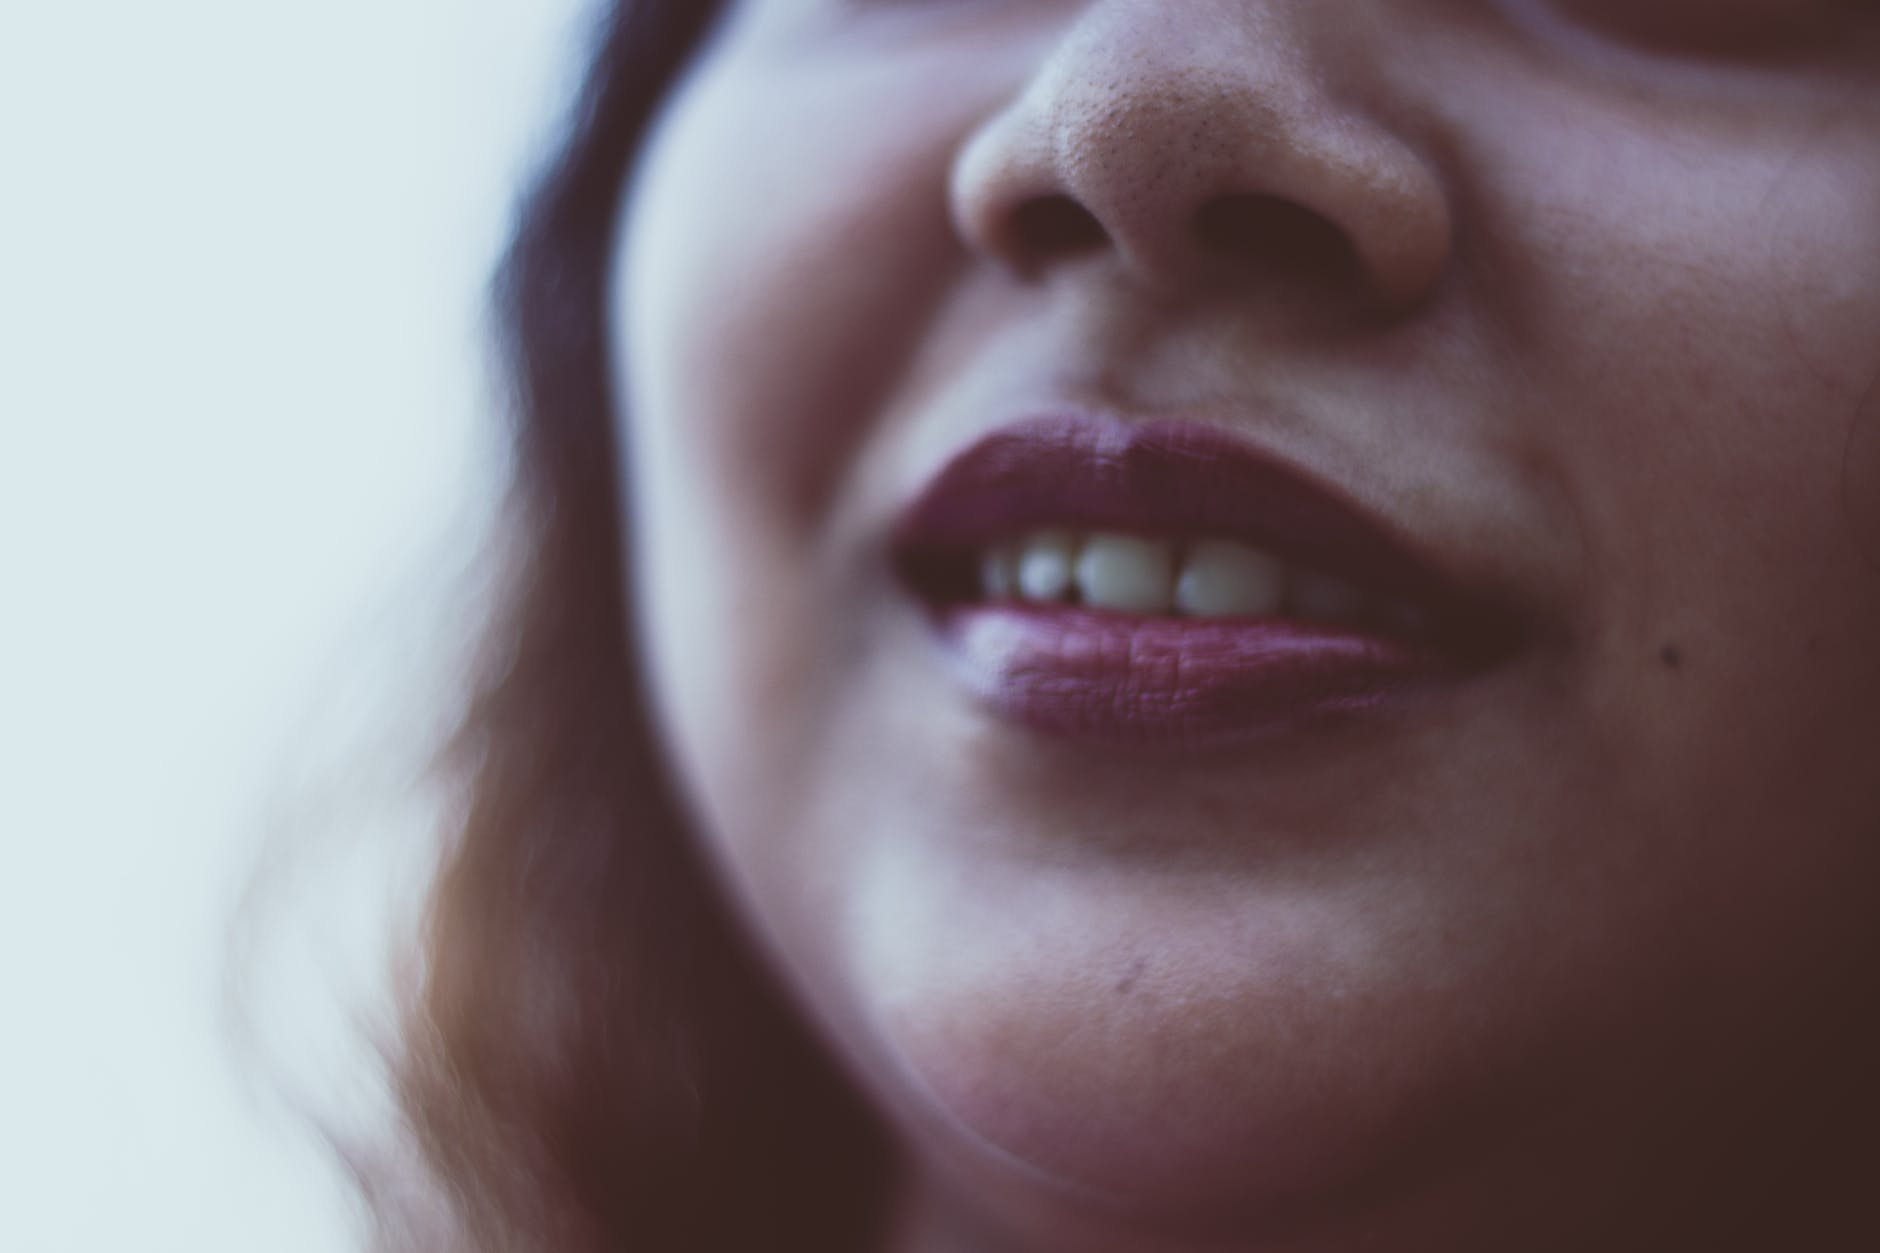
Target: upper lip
x=1184, y=479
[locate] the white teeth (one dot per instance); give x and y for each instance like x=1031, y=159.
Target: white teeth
x=1127, y=574
x=1215, y=578
x=1047, y=565
x=998, y=573
x=1321, y=598
x=1224, y=579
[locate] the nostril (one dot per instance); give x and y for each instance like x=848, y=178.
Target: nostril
x=1052, y=228
x=1281, y=237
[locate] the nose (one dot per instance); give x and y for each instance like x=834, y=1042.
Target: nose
x=1201, y=144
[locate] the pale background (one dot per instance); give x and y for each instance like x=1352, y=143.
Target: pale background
x=242, y=246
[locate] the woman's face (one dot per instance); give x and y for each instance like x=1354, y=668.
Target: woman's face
x=1530, y=876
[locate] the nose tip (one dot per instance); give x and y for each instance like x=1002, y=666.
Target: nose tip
x=1190, y=166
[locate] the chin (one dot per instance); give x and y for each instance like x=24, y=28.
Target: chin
x=1212, y=1078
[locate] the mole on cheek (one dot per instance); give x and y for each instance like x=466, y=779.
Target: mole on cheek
x=1672, y=656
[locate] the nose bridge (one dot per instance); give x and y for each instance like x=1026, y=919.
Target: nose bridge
x=1183, y=82
x=1147, y=112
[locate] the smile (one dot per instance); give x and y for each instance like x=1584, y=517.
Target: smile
x=1163, y=584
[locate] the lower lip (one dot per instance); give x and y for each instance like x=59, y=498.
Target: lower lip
x=1118, y=680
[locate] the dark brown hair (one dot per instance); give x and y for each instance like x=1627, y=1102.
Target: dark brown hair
x=594, y=1057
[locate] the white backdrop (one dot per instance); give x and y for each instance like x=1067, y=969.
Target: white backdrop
x=242, y=246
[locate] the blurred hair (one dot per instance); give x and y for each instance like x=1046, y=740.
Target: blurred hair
x=593, y=1056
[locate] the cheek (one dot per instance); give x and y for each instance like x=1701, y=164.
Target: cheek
x=755, y=356
x=1718, y=462
x=1704, y=319
x=781, y=265
x=1699, y=308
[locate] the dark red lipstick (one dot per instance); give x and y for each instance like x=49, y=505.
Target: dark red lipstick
x=1164, y=678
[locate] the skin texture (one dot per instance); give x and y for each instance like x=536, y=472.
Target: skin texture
x=1574, y=955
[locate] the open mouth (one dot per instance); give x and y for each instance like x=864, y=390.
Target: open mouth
x=1163, y=583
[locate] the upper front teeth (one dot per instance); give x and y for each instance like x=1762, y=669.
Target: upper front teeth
x=1222, y=578
x=1127, y=574
x=1046, y=566
x=1205, y=578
